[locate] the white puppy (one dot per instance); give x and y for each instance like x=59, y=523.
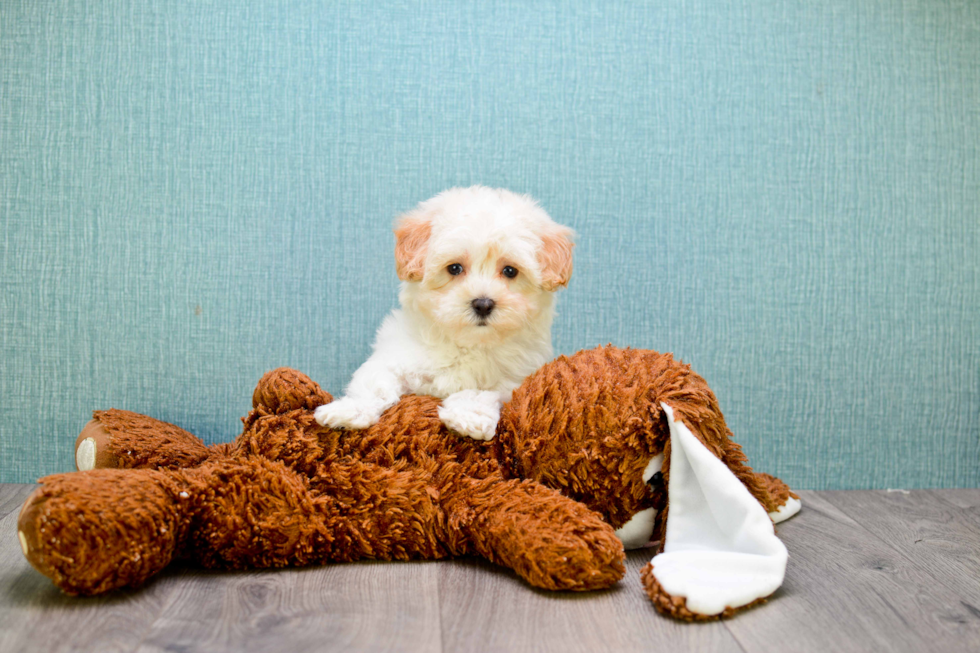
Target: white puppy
x=479, y=267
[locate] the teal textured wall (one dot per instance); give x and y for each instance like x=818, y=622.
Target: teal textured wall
x=784, y=194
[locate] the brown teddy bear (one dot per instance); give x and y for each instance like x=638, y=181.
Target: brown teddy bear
x=587, y=456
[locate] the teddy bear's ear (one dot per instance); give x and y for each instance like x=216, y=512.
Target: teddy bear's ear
x=412, y=232
x=720, y=549
x=555, y=257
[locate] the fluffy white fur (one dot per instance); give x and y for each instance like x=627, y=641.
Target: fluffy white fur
x=438, y=343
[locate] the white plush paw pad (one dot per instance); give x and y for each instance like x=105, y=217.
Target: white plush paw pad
x=785, y=511
x=85, y=455
x=473, y=413
x=638, y=531
x=347, y=413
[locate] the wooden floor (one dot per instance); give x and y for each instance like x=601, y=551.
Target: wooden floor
x=868, y=571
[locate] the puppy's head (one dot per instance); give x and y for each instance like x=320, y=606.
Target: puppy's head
x=481, y=264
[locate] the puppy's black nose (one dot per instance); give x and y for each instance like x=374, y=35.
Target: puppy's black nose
x=482, y=306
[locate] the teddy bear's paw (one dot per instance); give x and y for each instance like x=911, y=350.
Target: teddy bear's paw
x=473, y=413
x=347, y=413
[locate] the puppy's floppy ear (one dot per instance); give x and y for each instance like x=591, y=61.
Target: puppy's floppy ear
x=412, y=232
x=555, y=257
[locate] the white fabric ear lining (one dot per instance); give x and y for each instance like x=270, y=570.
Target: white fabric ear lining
x=720, y=548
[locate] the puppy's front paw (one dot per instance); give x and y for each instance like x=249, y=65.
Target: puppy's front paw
x=347, y=413
x=473, y=413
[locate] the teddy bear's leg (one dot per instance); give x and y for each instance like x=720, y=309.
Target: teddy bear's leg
x=92, y=532
x=551, y=541
x=125, y=440
x=96, y=531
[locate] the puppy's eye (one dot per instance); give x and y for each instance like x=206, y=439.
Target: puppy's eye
x=509, y=272
x=455, y=269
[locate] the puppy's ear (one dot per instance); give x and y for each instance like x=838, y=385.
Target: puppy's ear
x=412, y=233
x=555, y=257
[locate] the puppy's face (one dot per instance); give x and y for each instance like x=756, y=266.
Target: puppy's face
x=481, y=264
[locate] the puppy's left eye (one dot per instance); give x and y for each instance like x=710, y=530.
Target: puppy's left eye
x=509, y=272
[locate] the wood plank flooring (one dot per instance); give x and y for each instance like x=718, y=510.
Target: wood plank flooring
x=868, y=571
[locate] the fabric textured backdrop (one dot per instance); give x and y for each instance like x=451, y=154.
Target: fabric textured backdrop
x=784, y=194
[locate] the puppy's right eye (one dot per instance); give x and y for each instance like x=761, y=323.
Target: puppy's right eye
x=455, y=269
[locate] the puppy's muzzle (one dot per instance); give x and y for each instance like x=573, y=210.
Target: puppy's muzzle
x=482, y=306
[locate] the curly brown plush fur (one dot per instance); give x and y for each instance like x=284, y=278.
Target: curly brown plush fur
x=542, y=498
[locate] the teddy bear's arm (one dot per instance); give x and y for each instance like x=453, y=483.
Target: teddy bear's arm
x=92, y=532
x=551, y=541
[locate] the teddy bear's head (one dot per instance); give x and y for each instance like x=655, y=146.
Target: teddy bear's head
x=602, y=444
x=639, y=438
